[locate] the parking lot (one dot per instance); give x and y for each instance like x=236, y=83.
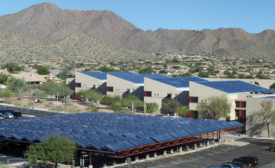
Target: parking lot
x=223, y=153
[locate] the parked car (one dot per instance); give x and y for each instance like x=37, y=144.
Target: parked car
x=3, y=145
x=1, y=117
x=2, y=111
x=230, y=166
x=214, y=167
x=8, y=115
x=16, y=114
x=247, y=160
x=272, y=148
x=239, y=164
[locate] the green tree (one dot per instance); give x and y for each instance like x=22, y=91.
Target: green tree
x=182, y=110
x=50, y=88
x=266, y=115
x=43, y=71
x=214, y=107
x=163, y=71
x=187, y=74
x=272, y=86
x=56, y=149
x=164, y=66
x=11, y=67
x=171, y=106
x=3, y=78
x=152, y=107
x=203, y=74
x=257, y=83
x=127, y=102
x=93, y=95
x=17, y=104
x=39, y=94
x=16, y=84
x=5, y=94
x=27, y=107
x=147, y=70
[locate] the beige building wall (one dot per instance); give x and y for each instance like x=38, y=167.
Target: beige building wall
x=120, y=87
x=89, y=82
x=263, y=82
x=204, y=92
x=159, y=92
x=253, y=105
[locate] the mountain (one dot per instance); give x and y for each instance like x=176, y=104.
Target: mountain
x=49, y=25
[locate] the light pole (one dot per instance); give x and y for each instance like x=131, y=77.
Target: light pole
x=133, y=107
x=57, y=98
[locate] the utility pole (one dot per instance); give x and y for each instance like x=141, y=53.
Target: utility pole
x=133, y=107
x=57, y=99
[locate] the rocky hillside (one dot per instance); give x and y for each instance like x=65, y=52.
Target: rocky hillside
x=50, y=28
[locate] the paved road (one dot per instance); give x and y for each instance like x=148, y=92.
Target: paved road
x=36, y=113
x=223, y=154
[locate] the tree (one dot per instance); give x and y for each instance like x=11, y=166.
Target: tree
x=92, y=95
x=127, y=102
x=5, y=94
x=266, y=115
x=39, y=94
x=17, y=104
x=171, y=106
x=147, y=70
x=182, y=110
x=203, y=74
x=3, y=78
x=50, y=88
x=11, y=67
x=56, y=149
x=163, y=71
x=113, y=101
x=27, y=107
x=152, y=107
x=214, y=107
x=16, y=84
x=187, y=74
x=43, y=71
x=272, y=86
x=257, y=83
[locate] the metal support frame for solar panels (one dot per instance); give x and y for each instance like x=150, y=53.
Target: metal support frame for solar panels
x=174, y=142
x=90, y=150
x=14, y=140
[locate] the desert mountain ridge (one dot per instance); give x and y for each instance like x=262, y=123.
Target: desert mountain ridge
x=48, y=25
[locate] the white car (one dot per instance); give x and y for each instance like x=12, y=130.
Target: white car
x=1, y=117
x=8, y=115
x=230, y=166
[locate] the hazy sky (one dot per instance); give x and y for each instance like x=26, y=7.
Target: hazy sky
x=253, y=16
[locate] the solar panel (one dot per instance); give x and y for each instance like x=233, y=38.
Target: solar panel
x=95, y=130
x=119, y=146
x=142, y=141
x=236, y=86
x=162, y=138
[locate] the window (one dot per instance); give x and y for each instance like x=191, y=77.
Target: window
x=94, y=86
x=128, y=91
x=147, y=94
x=168, y=96
x=194, y=99
x=78, y=84
x=157, y=94
x=134, y=93
x=176, y=94
x=177, y=99
x=240, y=104
x=110, y=89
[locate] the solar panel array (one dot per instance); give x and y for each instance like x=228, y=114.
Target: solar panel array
x=135, y=78
x=108, y=131
x=98, y=75
x=178, y=82
x=234, y=86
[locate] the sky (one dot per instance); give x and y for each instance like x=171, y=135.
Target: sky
x=253, y=16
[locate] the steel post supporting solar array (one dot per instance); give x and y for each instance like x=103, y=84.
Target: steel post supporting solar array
x=167, y=144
